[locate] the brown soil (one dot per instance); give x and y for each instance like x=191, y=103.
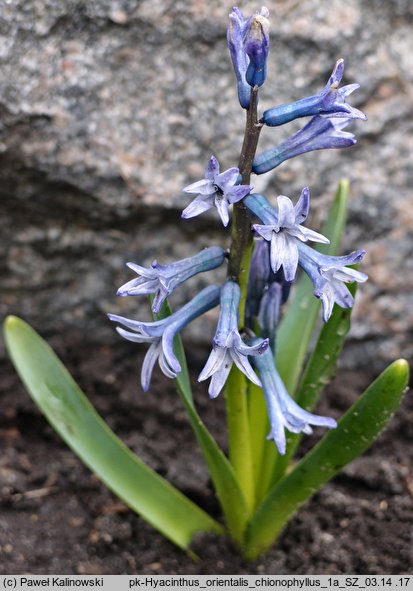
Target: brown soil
x=56, y=517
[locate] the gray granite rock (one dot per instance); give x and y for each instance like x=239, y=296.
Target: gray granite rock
x=108, y=108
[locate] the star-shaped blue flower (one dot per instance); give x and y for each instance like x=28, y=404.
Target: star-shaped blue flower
x=228, y=346
x=329, y=275
x=217, y=189
x=283, y=229
x=161, y=280
x=161, y=333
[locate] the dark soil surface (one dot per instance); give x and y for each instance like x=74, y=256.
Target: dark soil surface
x=56, y=517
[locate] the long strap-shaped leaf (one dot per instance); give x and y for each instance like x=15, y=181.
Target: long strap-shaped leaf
x=73, y=417
x=222, y=474
x=356, y=431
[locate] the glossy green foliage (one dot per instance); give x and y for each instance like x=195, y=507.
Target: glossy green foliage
x=355, y=433
x=73, y=417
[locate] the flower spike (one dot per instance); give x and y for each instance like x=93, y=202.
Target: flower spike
x=161, y=333
x=331, y=101
x=216, y=190
x=161, y=280
x=228, y=347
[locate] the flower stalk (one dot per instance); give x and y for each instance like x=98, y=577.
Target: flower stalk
x=238, y=422
x=241, y=235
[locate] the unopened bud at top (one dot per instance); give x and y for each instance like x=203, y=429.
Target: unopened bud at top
x=248, y=42
x=256, y=44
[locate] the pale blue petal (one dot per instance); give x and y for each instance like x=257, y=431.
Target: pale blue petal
x=168, y=347
x=147, y=328
x=227, y=179
x=134, y=336
x=166, y=370
x=290, y=259
x=305, y=234
x=203, y=187
x=286, y=213
x=265, y=231
x=237, y=193
x=149, y=363
x=302, y=207
x=197, y=206
x=278, y=250
x=144, y=271
x=241, y=361
x=222, y=206
x=212, y=169
x=220, y=376
x=214, y=362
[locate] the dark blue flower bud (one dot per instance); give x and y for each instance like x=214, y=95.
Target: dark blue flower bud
x=248, y=42
x=256, y=45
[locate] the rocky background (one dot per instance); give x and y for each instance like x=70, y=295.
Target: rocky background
x=108, y=108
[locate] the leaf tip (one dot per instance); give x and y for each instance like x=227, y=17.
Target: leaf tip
x=344, y=185
x=11, y=322
x=401, y=366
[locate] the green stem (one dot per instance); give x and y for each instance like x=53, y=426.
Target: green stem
x=239, y=436
x=259, y=429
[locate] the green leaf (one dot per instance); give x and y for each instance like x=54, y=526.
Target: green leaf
x=74, y=418
x=320, y=370
x=222, y=474
x=259, y=427
x=224, y=479
x=355, y=433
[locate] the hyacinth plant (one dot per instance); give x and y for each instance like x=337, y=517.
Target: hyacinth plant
x=260, y=359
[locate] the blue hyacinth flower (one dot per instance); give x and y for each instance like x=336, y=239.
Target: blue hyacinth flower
x=330, y=101
x=283, y=411
x=329, y=275
x=321, y=132
x=228, y=346
x=161, y=280
x=283, y=230
x=216, y=190
x=161, y=333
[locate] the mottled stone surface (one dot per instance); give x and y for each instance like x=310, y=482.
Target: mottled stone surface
x=108, y=108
